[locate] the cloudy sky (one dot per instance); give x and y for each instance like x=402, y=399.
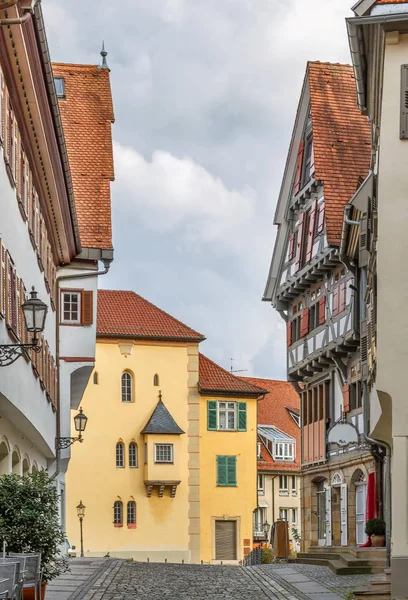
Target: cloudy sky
x=205, y=94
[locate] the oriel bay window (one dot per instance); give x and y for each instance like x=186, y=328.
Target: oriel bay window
x=315, y=414
x=226, y=416
x=163, y=453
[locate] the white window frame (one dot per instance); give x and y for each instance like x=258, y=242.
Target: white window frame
x=70, y=321
x=159, y=448
x=294, y=516
x=284, y=451
x=259, y=518
x=261, y=484
x=294, y=485
x=283, y=514
x=62, y=80
x=258, y=449
x=283, y=485
x=224, y=411
x=125, y=392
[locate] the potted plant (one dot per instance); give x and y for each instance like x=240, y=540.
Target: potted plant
x=375, y=529
x=29, y=521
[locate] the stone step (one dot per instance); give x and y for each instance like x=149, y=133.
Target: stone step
x=337, y=566
x=372, y=593
x=348, y=559
x=368, y=552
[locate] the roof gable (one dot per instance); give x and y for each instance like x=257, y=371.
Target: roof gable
x=341, y=139
x=214, y=379
x=128, y=315
x=87, y=116
x=161, y=421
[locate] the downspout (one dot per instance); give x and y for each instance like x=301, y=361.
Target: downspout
x=107, y=264
x=356, y=43
x=387, y=502
x=16, y=21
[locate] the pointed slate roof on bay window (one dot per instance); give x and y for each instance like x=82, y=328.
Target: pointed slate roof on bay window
x=341, y=139
x=161, y=421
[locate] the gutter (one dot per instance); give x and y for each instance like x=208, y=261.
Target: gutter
x=107, y=265
x=52, y=95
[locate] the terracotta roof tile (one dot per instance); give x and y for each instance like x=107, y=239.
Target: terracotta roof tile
x=341, y=139
x=272, y=410
x=214, y=378
x=391, y=1
x=87, y=115
x=126, y=314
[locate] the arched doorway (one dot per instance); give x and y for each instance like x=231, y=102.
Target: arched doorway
x=4, y=458
x=360, y=482
x=339, y=497
x=16, y=461
x=322, y=491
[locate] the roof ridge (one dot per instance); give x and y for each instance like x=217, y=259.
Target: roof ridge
x=328, y=63
x=249, y=388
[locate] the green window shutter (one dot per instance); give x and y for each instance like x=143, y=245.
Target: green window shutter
x=231, y=470
x=242, y=416
x=212, y=415
x=222, y=470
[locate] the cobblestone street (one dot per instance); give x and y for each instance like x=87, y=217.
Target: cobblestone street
x=110, y=579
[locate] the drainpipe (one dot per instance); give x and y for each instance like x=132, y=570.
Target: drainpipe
x=387, y=508
x=107, y=263
x=4, y=5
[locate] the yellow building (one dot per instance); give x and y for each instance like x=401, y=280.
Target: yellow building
x=168, y=466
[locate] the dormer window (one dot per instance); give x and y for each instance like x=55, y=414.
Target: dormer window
x=59, y=86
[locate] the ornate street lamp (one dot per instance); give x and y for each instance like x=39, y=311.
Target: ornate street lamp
x=35, y=312
x=80, y=421
x=81, y=513
x=266, y=528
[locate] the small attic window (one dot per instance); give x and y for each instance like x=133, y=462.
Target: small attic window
x=60, y=86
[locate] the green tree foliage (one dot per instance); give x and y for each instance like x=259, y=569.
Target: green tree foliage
x=29, y=520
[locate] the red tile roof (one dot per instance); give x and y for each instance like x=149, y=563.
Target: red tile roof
x=213, y=378
x=128, y=315
x=391, y=1
x=341, y=139
x=273, y=410
x=87, y=116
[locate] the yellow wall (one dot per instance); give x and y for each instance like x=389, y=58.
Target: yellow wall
x=227, y=502
x=162, y=524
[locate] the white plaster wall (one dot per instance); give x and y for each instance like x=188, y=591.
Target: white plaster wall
x=22, y=399
x=15, y=439
x=392, y=321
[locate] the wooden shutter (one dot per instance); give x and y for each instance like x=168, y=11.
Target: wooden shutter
x=2, y=108
x=242, y=416
x=346, y=398
x=322, y=310
x=225, y=540
x=9, y=132
x=231, y=470
x=3, y=284
x=312, y=161
x=310, y=236
x=342, y=296
x=291, y=249
x=363, y=254
x=304, y=322
x=299, y=164
x=320, y=218
x=289, y=333
x=211, y=415
x=222, y=470
x=404, y=103
x=299, y=238
x=336, y=301
x=24, y=332
x=86, y=308
x=18, y=307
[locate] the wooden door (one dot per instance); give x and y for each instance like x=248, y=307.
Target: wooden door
x=225, y=540
x=361, y=499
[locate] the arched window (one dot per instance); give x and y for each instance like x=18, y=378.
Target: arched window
x=96, y=378
x=131, y=514
x=26, y=466
x=132, y=455
x=34, y=468
x=156, y=380
x=4, y=457
x=118, y=514
x=127, y=385
x=120, y=455
x=15, y=461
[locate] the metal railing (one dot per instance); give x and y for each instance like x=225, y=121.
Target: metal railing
x=254, y=557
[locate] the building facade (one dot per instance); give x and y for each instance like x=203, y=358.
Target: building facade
x=278, y=453
x=315, y=292
x=374, y=236
x=176, y=467
x=42, y=241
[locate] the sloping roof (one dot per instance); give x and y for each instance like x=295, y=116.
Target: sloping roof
x=341, y=139
x=215, y=379
x=87, y=115
x=391, y=1
x=126, y=314
x=162, y=422
x=272, y=410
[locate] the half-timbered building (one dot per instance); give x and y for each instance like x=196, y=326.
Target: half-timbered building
x=315, y=293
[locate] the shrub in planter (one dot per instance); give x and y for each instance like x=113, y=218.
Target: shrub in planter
x=267, y=556
x=375, y=528
x=29, y=520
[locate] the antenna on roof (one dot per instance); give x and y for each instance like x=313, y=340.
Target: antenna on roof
x=104, y=54
x=236, y=370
